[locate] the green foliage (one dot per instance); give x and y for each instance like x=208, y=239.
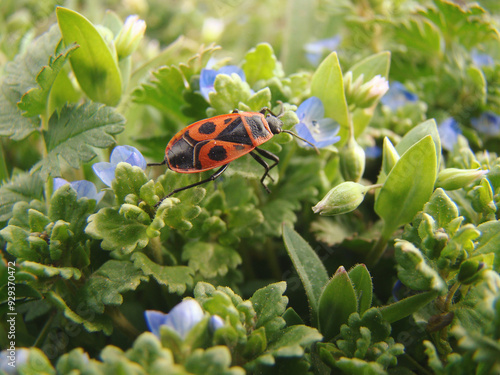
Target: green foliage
x=409, y=264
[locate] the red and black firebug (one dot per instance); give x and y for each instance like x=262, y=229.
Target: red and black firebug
x=216, y=141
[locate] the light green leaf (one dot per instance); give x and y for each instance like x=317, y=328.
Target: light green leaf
x=94, y=65
x=49, y=271
x=442, y=209
x=405, y=307
x=210, y=259
x=328, y=85
x=259, y=63
x=213, y=361
x=269, y=304
x=489, y=242
x=35, y=101
x=229, y=92
x=311, y=270
x=74, y=132
x=337, y=302
x=373, y=65
x=176, y=278
x=408, y=186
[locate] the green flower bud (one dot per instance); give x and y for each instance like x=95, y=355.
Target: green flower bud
x=454, y=178
x=352, y=161
x=342, y=199
x=364, y=94
x=130, y=36
x=389, y=156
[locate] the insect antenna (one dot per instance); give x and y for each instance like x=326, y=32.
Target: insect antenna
x=302, y=139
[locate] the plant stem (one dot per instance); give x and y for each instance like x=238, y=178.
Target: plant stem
x=378, y=250
x=45, y=330
x=4, y=172
x=122, y=323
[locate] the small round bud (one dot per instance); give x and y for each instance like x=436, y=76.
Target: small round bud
x=352, y=161
x=130, y=36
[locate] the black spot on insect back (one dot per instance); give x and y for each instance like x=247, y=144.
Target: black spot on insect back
x=207, y=127
x=217, y=153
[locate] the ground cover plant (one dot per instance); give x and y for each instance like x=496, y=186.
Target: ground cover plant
x=373, y=252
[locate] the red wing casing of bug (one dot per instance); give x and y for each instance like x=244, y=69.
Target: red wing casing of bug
x=216, y=141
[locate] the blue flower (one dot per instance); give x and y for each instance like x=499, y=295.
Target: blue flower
x=215, y=323
x=207, y=78
x=182, y=318
x=315, y=50
x=83, y=188
x=128, y=154
x=313, y=125
x=448, y=132
x=19, y=357
x=481, y=59
x=398, y=96
x=488, y=123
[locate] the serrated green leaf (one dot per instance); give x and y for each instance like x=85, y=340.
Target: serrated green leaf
x=49, y=271
x=77, y=360
x=269, y=303
x=94, y=65
x=23, y=187
x=336, y=303
x=311, y=270
x=408, y=186
x=117, y=232
x=292, y=340
x=260, y=63
x=74, y=132
x=106, y=285
x=229, y=92
x=20, y=77
x=91, y=321
x=210, y=259
x=35, y=101
x=176, y=278
x=129, y=179
x=421, y=35
x=36, y=362
x=328, y=85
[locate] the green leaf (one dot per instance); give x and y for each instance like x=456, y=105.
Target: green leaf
x=311, y=270
x=213, y=361
x=35, y=101
x=441, y=208
x=260, y=63
x=49, y=271
x=210, y=259
x=23, y=187
x=106, y=285
x=489, y=242
x=337, y=302
x=269, y=303
x=413, y=270
x=362, y=282
x=94, y=65
x=176, y=278
x=420, y=34
x=328, y=85
x=405, y=307
x=420, y=131
x=118, y=232
x=74, y=132
x=292, y=340
x=230, y=91
x=84, y=316
x=408, y=186
x=373, y=65
x=19, y=77
x=129, y=179
x=36, y=363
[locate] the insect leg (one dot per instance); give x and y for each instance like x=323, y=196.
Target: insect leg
x=266, y=166
x=211, y=178
x=157, y=164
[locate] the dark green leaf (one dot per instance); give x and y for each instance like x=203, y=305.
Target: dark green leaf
x=405, y=307
x=210, y=259
x=23, y=187
x=362, y=282
x=311, y=270
x=337, y=302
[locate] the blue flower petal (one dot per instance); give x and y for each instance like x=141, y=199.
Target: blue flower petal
x=313, y=126
x=481, y=59
x=154, y=320
x=315, y=50
x=58, y=182
x=122, y=153
x=136, y=159
x=310, y=110
x=215, y=323
x=105, y=171
x=398, y=96
x=488, y=123
x=184, y=316
x=448, y=133
x=86, y=189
